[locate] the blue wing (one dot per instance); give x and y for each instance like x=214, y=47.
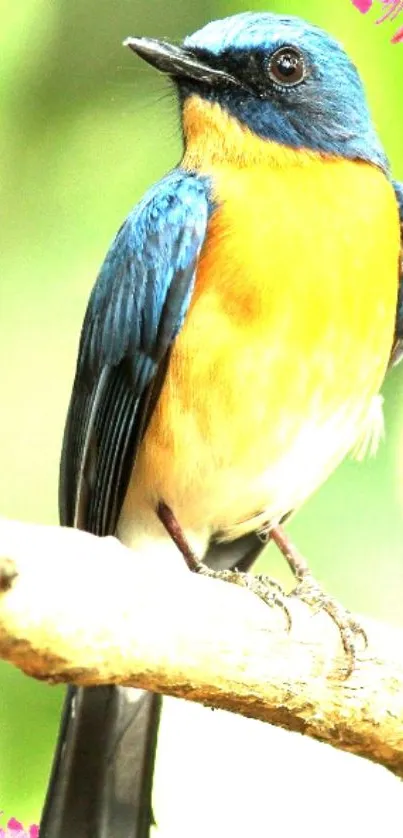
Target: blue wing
x=397, y=352
x=135, y=311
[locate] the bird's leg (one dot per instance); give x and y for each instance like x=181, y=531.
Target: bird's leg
x=309, y=591
x=174, y=529
x=265, y=588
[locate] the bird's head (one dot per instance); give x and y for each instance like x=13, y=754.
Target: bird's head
x=267, y=77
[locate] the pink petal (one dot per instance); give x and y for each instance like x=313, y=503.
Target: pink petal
x=398, y=36
x=15, y=826
x=15, y=829
x=363, y=6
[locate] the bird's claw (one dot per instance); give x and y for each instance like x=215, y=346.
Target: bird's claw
x=264, y=587
x=352, y=634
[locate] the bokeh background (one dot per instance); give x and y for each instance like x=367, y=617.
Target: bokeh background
x=85, y=129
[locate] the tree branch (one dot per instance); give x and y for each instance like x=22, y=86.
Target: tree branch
x=76, y=608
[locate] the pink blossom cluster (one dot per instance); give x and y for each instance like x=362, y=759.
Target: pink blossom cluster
x=15, y=829
x=391, y=9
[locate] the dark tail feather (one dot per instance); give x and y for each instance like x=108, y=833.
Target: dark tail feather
x=101, y=781
x=242, y=553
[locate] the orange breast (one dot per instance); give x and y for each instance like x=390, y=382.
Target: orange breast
x=285, y=345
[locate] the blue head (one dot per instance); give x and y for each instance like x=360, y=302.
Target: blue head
x=284, y=79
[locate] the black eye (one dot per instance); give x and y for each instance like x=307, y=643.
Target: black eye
x=287, y=67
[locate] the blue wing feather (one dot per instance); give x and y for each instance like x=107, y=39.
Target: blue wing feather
x=135, y=311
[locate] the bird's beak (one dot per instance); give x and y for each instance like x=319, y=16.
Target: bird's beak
x=177, y=62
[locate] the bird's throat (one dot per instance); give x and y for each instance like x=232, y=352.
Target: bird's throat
x=213, y=137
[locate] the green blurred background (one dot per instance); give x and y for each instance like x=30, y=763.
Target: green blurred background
x=85, y=129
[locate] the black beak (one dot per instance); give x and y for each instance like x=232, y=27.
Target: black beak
x=177, y=61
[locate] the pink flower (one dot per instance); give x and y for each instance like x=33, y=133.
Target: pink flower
x=15, y=829
x=363, y=6
x=393, y=7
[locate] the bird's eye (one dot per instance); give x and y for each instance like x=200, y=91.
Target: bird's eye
x=287, y=67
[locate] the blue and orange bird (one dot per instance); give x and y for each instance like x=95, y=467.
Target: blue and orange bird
x=232, y=351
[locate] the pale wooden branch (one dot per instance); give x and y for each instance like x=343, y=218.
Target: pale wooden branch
x=75, y=608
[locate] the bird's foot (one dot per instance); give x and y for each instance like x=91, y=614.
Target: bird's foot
x=264, y=587
x=352, y=634
x=308, y=590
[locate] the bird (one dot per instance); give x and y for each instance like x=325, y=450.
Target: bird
x=231, y=354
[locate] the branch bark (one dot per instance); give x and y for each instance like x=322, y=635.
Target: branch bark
x=76, y=608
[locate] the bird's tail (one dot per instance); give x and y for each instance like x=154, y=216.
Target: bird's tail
x=101, y=780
